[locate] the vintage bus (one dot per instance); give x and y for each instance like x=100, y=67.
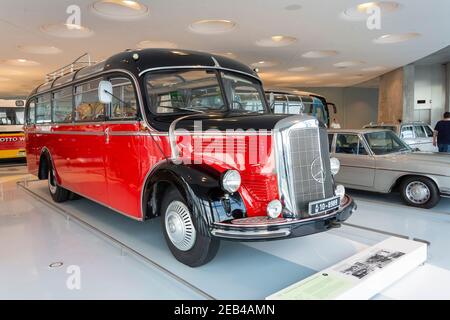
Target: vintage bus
x=188, y=137
x=291, y=101
x=12, y=138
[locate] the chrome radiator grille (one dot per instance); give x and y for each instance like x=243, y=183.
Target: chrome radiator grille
x=303, y=164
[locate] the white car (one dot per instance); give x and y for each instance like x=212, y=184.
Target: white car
x=418, y=135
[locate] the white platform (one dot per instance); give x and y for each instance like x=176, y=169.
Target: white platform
x=361, y=276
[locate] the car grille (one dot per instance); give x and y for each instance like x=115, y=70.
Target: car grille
x=303, y=163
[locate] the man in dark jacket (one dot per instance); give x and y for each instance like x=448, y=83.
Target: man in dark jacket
x=441, y=136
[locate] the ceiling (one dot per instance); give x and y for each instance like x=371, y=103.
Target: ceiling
x=317, y=25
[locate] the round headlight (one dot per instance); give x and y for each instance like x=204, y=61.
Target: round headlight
x=231, y=181
x=335, y=166
x=340, y=191
x=274, y=209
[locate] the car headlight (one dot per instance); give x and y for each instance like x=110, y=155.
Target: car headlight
x=335, y=166
x=274, y=209
x=231, y=181
x=340, y=191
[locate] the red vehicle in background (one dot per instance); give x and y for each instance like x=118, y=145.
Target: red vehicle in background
x=12, y=138
x=187, y=137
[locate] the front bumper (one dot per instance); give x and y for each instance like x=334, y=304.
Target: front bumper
x=287, y=229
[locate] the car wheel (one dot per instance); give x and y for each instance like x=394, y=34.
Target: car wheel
x=59, y=194
x=420, y=192
x=187, y=237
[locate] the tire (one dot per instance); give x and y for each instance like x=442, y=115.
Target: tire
x=181, y=231
x=59, y=194
x=420, y=192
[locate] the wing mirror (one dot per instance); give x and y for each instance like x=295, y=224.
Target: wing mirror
x=105, y=92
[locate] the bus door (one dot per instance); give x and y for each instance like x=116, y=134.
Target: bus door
x=123, y=145
x=81, y=149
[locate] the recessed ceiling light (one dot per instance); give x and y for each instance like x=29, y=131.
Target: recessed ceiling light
x=300, y=69
x=348, y=64
x=120, y=9
x=40, y=49
x=264, y=64
x=293, y=7
x=64, y=30
x=319, y=54
x=226, y=54
x=276, y=41
x=212, y=26
x=21, y=63
x=374, y=69
x=146, y=44
x=396, y=38
x=360, y=12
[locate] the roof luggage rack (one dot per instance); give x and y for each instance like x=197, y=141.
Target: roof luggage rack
x=77, y=64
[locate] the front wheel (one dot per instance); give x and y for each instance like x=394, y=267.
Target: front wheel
x=186, y=236
x=420, y=192
x=59, y=194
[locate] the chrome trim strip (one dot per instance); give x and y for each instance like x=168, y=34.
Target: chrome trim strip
x=225, y=133
x=77, y=133
x=250, y=235
x=198, y=67
x=164, y=134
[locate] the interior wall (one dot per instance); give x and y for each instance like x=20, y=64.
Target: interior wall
x=356, y=106
x=390, y=108
x=430, y=86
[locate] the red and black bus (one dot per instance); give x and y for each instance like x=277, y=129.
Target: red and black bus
x=188, y=137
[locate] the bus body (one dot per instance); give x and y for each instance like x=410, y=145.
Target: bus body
x=291, y=101
x=12, y=138
x=187, y=137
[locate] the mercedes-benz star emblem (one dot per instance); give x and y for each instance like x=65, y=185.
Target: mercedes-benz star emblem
x=317, y=171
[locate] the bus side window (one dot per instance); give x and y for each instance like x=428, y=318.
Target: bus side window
x=43, y=109
x=31, y=112
x=124, y=103
x=88, y=108
x=62, y=106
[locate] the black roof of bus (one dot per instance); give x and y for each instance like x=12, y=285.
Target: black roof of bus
x=154, y=58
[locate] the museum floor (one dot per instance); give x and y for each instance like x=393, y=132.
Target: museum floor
x=117, y=256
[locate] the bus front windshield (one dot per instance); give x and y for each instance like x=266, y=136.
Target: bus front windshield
x=12, y=116
x=181, y=91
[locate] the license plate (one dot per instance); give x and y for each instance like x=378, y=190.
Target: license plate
x=325, y=205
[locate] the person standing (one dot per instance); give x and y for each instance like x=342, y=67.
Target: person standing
x=335, y=124
x=441, y=137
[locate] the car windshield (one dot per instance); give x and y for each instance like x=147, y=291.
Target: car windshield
x=12, y=116
x=193, y=90
x=385, y=142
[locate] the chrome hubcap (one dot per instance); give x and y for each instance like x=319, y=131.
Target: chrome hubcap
x=418, y=192
x=179, y=226
x=51, y=181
